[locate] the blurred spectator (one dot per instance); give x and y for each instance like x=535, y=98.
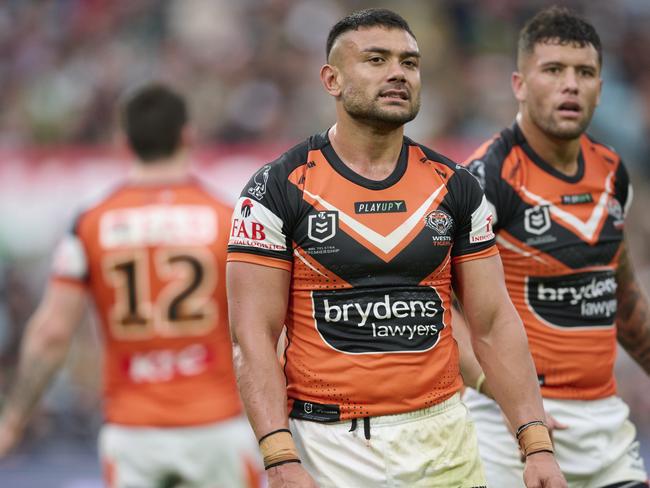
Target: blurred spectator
x=250, y=65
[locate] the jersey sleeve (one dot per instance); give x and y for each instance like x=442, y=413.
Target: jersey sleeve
x=474, y=237
x=486, y=164
x=70, y=260
x=623, y=191
x=261, y=222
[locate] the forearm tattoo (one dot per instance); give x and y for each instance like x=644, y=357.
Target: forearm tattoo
x=632, y=316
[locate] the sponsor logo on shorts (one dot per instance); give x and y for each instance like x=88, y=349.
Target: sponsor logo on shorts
x=581, y=300
x=258, y=189
x=387, y=206
x=381, y=320
x=316, y=412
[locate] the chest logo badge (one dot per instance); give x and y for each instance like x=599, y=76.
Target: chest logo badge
x=537, y=220
x=322, y=226
x=438, y=221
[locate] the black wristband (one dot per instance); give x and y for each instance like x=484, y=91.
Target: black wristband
x=536, y=452
x=528, y=424
x=271, y=433
x=279, y=463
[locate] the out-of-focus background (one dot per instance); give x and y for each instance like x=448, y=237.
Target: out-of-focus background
x=249, y=69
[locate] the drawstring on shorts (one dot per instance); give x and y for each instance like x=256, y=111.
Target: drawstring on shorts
x=366, y=427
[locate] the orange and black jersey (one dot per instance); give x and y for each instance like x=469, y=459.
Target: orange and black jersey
x=559, y=238
x=153, y=259
x=371, y=262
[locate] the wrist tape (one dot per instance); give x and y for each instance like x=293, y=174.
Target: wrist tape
x=534, y=437
x=278, y=448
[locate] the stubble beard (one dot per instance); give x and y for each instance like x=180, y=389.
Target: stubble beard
x=552, y=128
x=360, y=108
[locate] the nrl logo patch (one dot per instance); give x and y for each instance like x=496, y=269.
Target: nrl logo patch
x=439, y=221
x=537, y=220
x=322, y=226
x=260, y=179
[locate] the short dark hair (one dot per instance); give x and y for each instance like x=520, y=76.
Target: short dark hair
x=153, y=117
x=557, y=25
x=371, y=17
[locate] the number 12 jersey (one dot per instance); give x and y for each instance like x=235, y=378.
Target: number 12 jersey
x=153, y=259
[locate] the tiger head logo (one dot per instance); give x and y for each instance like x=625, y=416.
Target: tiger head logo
x=438, y=221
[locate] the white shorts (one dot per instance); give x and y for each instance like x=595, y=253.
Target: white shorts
x=598, y=449
x=434, y=448
x=223, y=454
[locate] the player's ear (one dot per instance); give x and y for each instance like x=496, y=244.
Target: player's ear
x=518, y=86
x=330, y=77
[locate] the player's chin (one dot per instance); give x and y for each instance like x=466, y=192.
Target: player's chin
x=397, y=114
x=569, y=129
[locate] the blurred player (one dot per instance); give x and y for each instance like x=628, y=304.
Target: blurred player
x=352, y=239
x=559, y=200
x=152, y=256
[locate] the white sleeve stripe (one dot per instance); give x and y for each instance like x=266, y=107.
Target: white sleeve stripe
x=630, y=197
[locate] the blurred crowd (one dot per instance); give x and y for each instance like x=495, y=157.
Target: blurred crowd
x=250, y=67
x=250, y=70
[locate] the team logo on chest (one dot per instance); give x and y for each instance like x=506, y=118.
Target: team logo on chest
x=322, y=226
x=537, y=220
x=441, y=223
x=438, y=221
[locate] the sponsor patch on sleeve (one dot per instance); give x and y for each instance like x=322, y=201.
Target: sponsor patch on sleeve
x=482, y=224
x=255, y=226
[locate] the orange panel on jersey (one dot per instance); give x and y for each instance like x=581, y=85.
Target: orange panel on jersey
x=155, y=269
x=559, y=238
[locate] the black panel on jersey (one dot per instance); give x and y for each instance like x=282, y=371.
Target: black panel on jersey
x=563, y=244
x=409, y=267
x=464, y=195
x=487, y=170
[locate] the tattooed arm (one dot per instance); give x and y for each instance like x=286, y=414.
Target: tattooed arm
x=44, y=347
x=632, y=316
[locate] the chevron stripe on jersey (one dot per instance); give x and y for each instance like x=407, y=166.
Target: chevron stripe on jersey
x=559, y=237
x=371, y=273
